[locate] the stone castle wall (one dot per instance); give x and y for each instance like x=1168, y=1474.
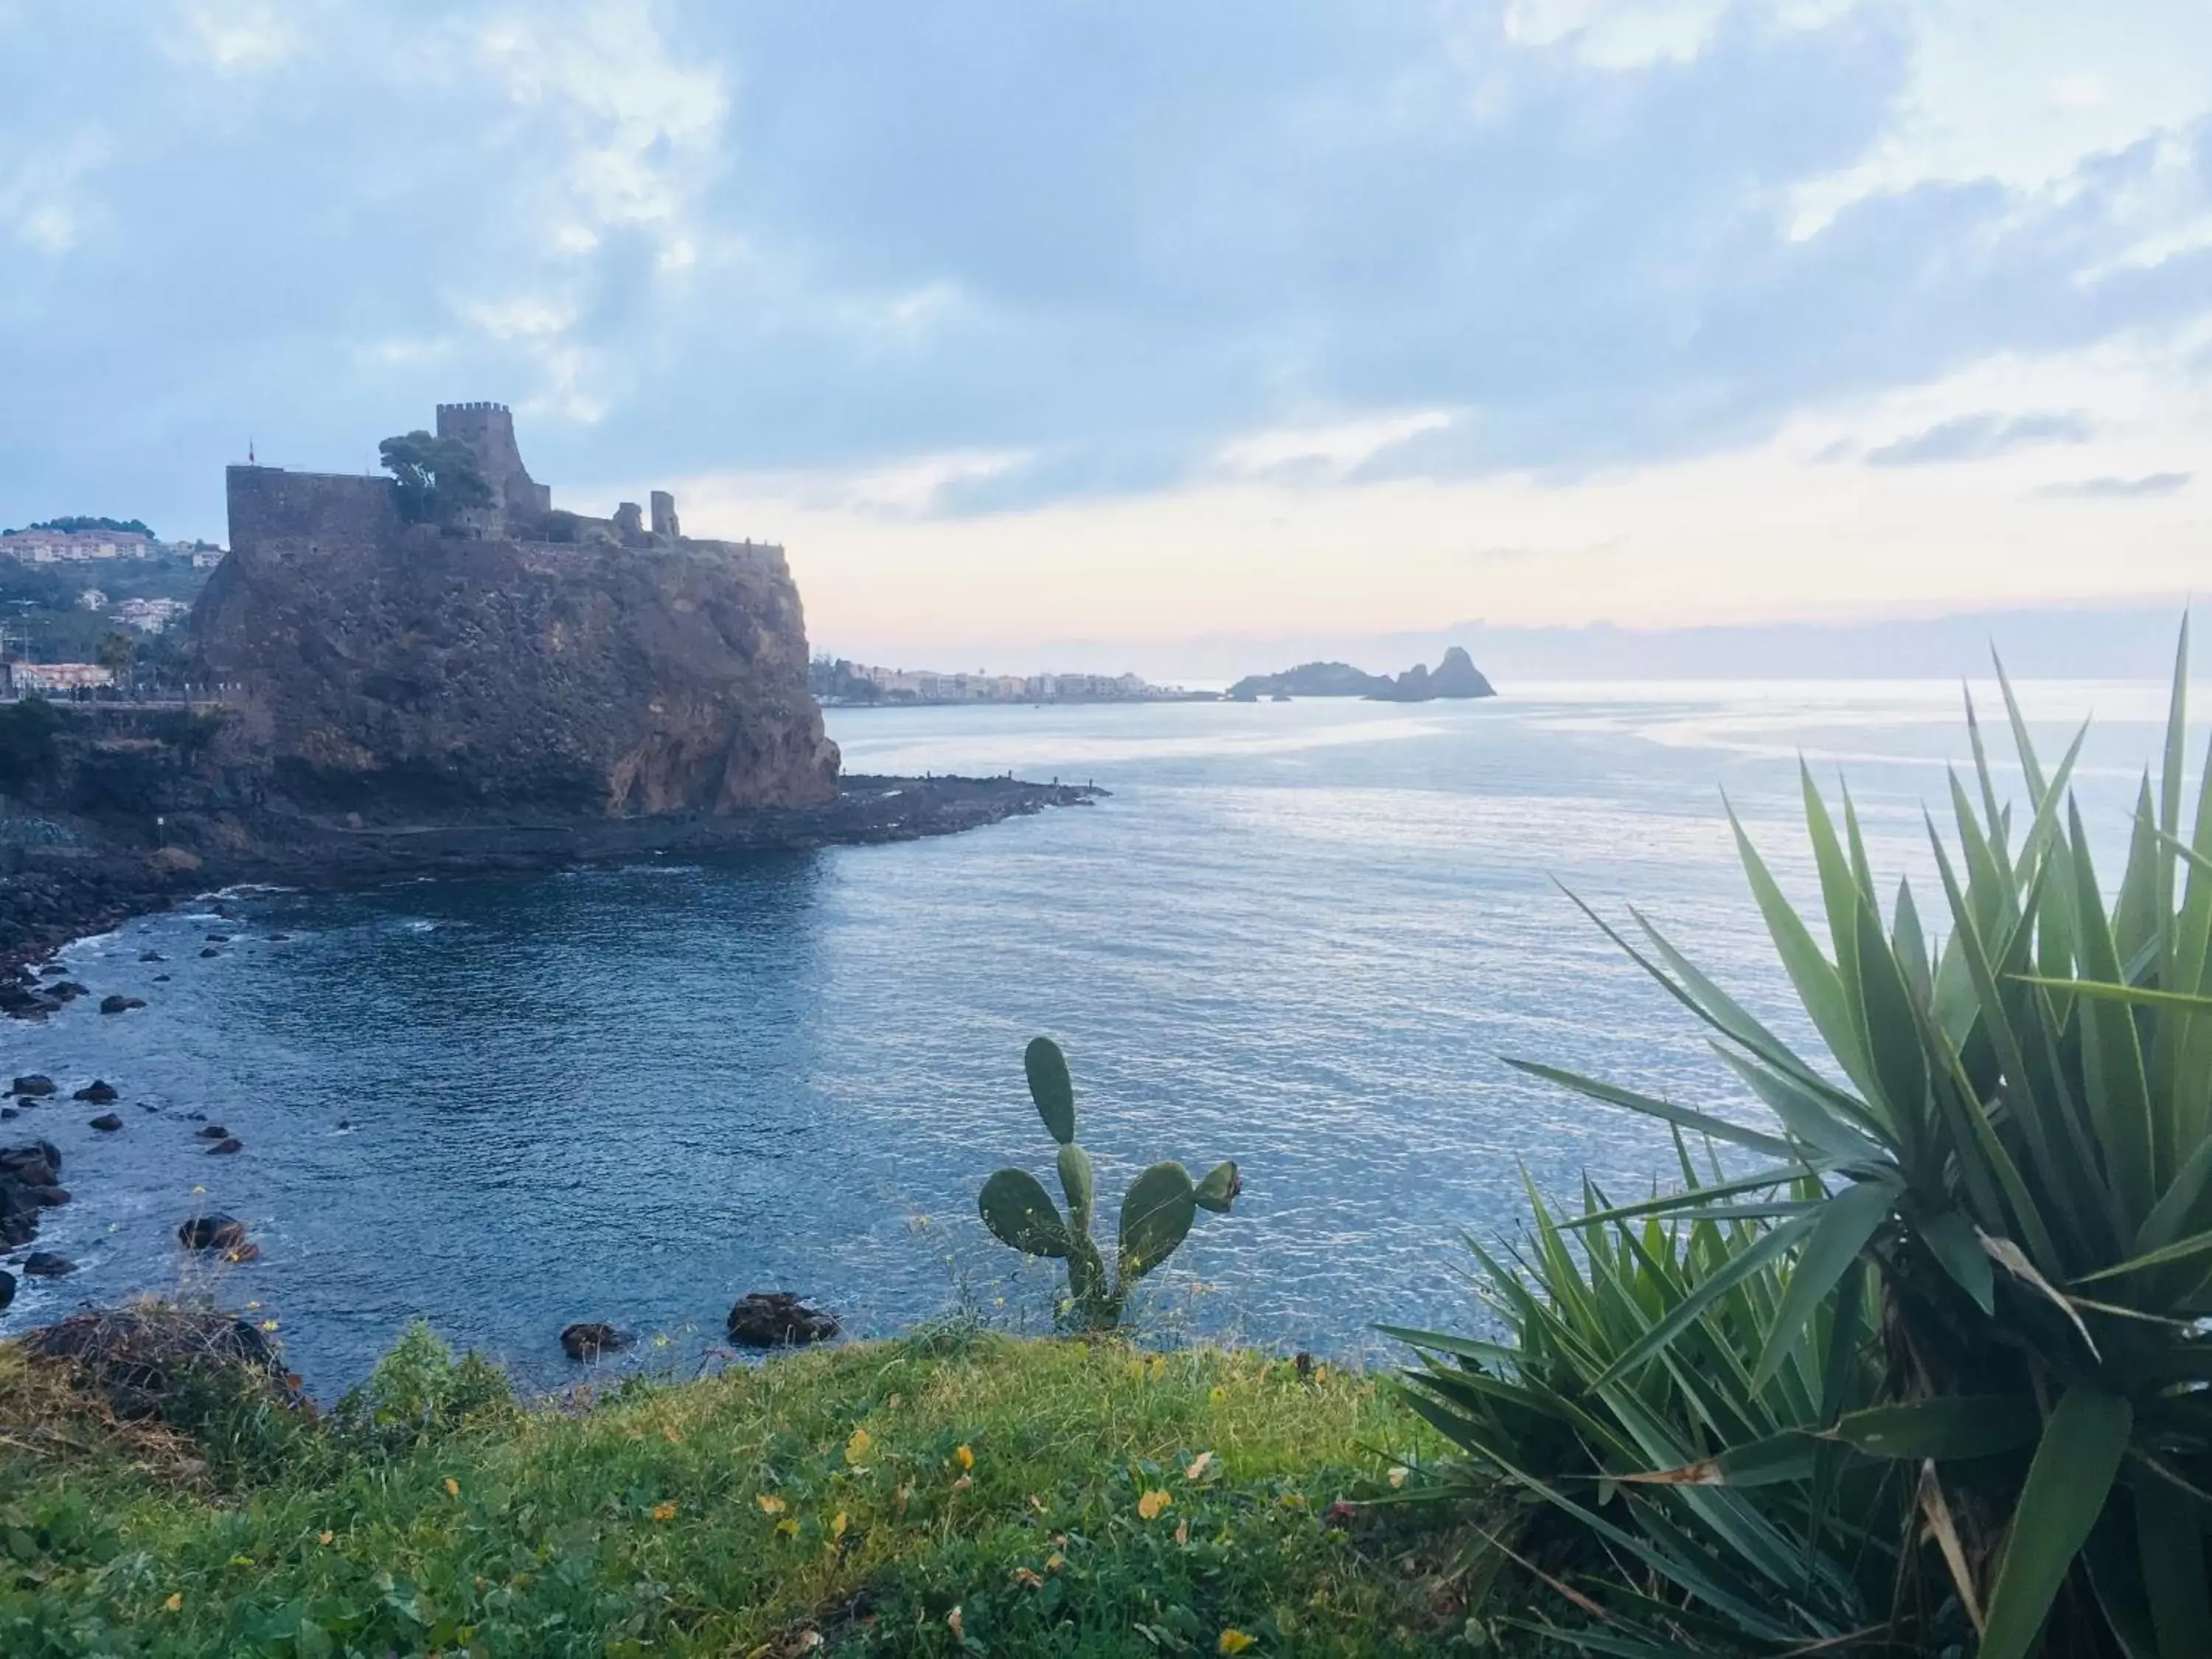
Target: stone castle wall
x=321, y=509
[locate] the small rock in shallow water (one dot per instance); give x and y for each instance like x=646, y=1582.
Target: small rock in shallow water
x=151, y=956
x=224, y=1148
x=66, y=989
x=107, y=1123
x=218, y=938
x=213, y=1132
x=778, y=1319
x=211, y=950
x=100, y=1092
x=45, y=1264
x=120, y=1004
x=345, y=1123
x=161, y=979
x=6, y=1112
x=588, y=1342
x=36, y=1084
x=212, y=1231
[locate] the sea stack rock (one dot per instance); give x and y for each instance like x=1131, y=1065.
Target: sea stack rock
x=459, y=651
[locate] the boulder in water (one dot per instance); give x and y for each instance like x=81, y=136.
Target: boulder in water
x=107, y=1123
x=212, y=1231
x=212, y=951
x=586, y=1343
x=226, y=1146
x=120, y=1004
x=45, y=1264
x=36, y=1085
x=778, y=1319
x=151, y=956
x=214, y=1131
x=98, y=1092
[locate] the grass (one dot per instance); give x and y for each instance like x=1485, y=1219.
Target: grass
x=952, y=1492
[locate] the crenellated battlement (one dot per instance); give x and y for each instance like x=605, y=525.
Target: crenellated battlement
x=323, y=510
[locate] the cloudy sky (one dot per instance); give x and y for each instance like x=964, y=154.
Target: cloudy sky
x=1131, y=321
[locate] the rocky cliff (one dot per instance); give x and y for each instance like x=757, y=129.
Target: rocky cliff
x=407, y=673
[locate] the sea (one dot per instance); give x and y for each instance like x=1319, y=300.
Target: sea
x=1306, y=936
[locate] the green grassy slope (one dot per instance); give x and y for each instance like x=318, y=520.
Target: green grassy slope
x=954, y=1494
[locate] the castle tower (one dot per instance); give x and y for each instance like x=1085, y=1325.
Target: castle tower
x=488, y=431
x=665, y=522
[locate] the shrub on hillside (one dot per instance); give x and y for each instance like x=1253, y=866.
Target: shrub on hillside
x=2013, y=1150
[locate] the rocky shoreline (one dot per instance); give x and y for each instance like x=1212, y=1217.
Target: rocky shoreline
x=52, y=893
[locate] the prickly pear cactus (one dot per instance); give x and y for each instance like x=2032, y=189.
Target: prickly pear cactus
x=1156, y=1211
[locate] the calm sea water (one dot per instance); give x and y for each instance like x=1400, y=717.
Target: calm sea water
x=1299, y=935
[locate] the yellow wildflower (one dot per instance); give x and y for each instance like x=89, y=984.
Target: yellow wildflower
x=664, y=1512
x=452, y=1487
x=837, y=1525
x=1397, y=1476
x=1054, y=1562
x=964, y=1455
x=326, y=1537
x=787, y=1527
x=1028, y=1578
x=1234, y=1641
x=241, y=1560
x=769, y=1503
x=175, y=1603
x=1152, y=1503
x=1217, y=1394
x=857, y=1447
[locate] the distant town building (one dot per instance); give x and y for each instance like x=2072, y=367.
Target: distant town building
x=151, y=616
x=852, y=681
x=73, y=547
x=44, y=677
x=92, y=599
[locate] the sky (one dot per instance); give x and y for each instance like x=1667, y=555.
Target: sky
x=1126, y=324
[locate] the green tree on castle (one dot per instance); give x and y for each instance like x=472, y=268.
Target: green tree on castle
x=437, y=478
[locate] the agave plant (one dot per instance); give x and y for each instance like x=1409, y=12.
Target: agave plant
x=1156, y=1211
x=2015, y=1139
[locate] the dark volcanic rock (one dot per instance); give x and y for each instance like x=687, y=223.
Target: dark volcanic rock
x=218, y=938
x=45, y=1264
x=48, y=1197
x=225, y=1148
x=33, y=1084
x=98, y=1092
x=587, y=1342
x=1456, y=675
x=410, y=675
x=778, y=1319
x=68, y=990
x=212, y=1231
x=151, y=956
x=7, y=1288
x=211, y=950
x=120, y=1004
x=107, y=1123
x=213, y=1132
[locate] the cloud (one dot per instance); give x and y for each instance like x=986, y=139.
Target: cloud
x=1978, y=437
x=1115, y=252
x=2150, y=484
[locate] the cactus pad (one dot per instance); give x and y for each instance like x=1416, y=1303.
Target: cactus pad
x=1051, y=1087
x=1156, y=1214
x=1018, y=1210
x=1219, y=1188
